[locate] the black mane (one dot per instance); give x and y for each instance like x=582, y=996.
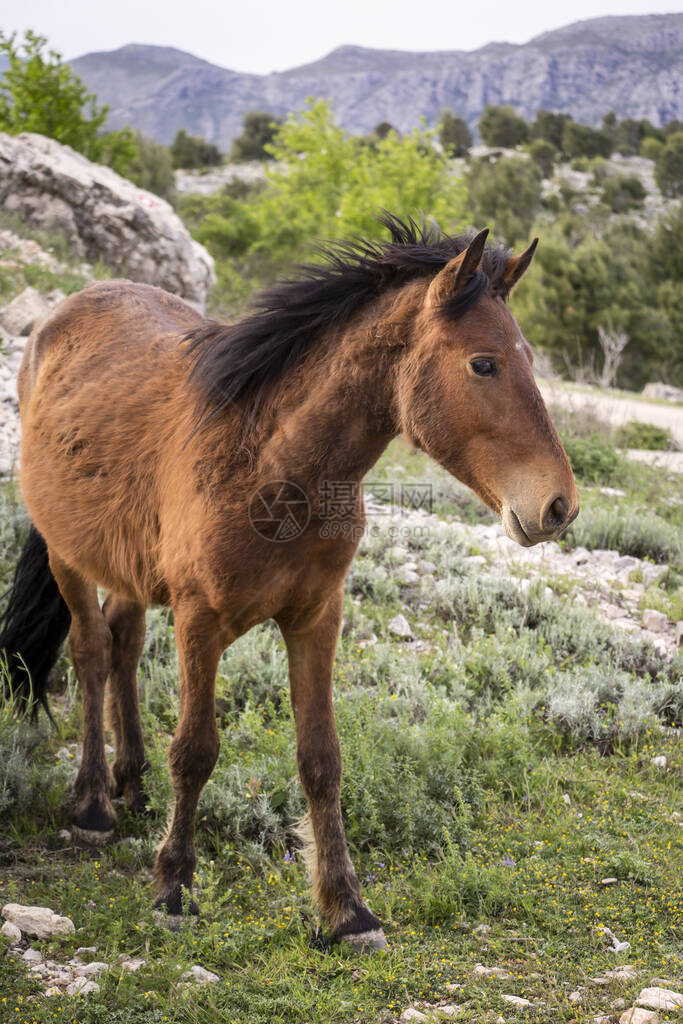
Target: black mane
x=242, y=362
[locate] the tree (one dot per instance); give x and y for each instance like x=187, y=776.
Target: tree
x=193, y=151
x=38, y=93
x=669, y=166
x=544, y=154
x=152, y=166
x=259, y=129
x=501, y=126
x=382, y=129
x=549, y=126
x=612, y=344
x=454, y=135
x=622, y=192
x=505, y=195
x=582, y=140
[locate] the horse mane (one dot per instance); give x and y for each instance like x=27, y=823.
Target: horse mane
x=242, y=362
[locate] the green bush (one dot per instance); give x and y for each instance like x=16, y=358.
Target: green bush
x=592, y=459
x=259, y=129
x=545, y=155
x=505, y=194
x=623, y=192
x=454, y=135
x=647, y=436
x=501, y=126
x=630, y=531
x=669, y=166
x=579, y=140
x=193, y=151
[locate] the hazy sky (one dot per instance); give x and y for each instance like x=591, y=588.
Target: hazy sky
x=269, y=35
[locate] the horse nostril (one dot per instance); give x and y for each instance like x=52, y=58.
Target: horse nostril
x=556, y=514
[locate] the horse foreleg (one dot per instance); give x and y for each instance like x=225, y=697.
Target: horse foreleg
x=90, y=649
x=311, y=646
x=193, y=751
x=126, y=620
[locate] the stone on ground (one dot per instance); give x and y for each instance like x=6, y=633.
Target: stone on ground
x=399, y=626
x=660, y=999
x=201, y=975
x=39, y=922
x=11, y=932
x=636, y=1015
x=21, y=315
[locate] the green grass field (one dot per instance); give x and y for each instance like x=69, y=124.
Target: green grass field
x=496, y=772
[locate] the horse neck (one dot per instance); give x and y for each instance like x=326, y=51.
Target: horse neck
x=340, y=415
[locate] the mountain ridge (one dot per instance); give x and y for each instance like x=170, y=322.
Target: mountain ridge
x=628, y=64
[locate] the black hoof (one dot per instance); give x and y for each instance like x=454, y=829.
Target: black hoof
x=363, y=931
x=95, y=819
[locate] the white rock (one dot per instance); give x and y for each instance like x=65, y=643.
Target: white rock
x=90, y=970
x=608, y=881
x=201, y=975
x=82, y=987
x=86, y=949
x=22, y=314
x=653, y=574
x=516, y=1000
x=566, y=799
x=425, y=568
x=46, y=185
x=11, y=932
x=53, y=991
x=32, y=956
x=659, y=761
x=411, y=1014
x=491, y=972
x=575, y=997
x=133, y=965
x=40, y=922
x=660, y=999
x=656, y=622
x=406, y=575
x=399, y=626
x=634, y=1015
x=625, y=971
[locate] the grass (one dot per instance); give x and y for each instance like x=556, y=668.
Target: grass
x=494, y=774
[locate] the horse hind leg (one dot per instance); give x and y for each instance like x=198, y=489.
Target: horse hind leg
x=89, y=645
x=126, y=621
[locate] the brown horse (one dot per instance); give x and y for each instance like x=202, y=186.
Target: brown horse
x=178, y=461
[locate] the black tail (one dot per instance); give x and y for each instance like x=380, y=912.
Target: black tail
x=33, y=626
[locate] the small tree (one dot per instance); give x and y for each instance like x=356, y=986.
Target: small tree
x=549, y=126
x=501, y=126
x=193, y=151
x=38, y=93
x=152, y=166
x=669, y=166
x=454, y=135
x=259, y=129
x=505, y=195
x=544, y=154
x=612, y=344
x=582, y=140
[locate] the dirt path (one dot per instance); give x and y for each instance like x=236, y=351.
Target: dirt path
x=615, y=408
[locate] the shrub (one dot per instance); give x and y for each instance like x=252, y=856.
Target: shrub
x=580, y=140
x=152, y=166
x=545, y=155
x=506, y=194
x=454, y=135
x=628, y=530
x=669, y=166
x=193, y=151
x=623, y=192
x=647, y=436
x=259, y=129
x=650, y=148
x=501, y=126
x=592, y=459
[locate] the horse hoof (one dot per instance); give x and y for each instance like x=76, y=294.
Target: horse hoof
x=174, y=922
x=91, y=836
x=366, y=942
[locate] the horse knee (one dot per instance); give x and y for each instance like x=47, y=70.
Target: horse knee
x=90, y=650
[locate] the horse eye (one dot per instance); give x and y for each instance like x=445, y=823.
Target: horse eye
x=483, y=367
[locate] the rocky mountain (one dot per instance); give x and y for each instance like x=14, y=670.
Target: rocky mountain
x=631, y=65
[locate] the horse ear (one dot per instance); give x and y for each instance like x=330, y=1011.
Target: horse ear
x=457, y=272
x=515, y=266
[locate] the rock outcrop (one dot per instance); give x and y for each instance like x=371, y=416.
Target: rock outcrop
x=104, y=217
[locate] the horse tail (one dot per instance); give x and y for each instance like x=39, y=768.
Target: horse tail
x=33, y=626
